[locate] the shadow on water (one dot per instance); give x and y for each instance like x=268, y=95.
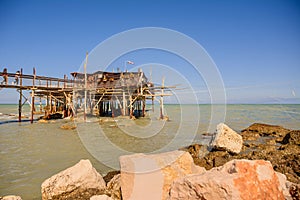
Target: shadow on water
x=16, y=121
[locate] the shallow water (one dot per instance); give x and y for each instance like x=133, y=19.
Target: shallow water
x=30, y=153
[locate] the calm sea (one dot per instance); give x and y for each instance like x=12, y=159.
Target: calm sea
x=30, y=153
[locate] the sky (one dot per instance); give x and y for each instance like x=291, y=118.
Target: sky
x=255, y=45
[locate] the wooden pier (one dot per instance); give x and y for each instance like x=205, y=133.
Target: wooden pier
x=100, y=93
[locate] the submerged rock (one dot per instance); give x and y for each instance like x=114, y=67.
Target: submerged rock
x=68, y=126
x=11, y=197
x=78, y=182
x=237, y=179
x=150, y=176
x=226, y=139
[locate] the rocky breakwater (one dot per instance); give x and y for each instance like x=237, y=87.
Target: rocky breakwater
x=175, y=176
x=276, y=144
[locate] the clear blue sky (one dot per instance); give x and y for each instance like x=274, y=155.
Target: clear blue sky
x=255, y=44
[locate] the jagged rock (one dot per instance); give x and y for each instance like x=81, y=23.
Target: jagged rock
x=150, y=176
x=294, y=190
x=78, y=182
x=284, y=185
x=254, y=131
x=284, y=158
x=11, y=197
x=110, y=175
x=100, y=197
x=292, y=137
x=237, y=179
x=226, y=139
x=113, y=188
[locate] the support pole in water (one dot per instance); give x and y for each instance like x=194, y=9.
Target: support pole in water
x=20, y=99
x=85, y=86
x=124, y=103
x=32, y=96
x=162, y=99
x=152, y=103
x=144, y=104
x=130, y=109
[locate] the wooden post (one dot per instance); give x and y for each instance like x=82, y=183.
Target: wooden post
x=41, y=106
x=131, y=111
x=107, y=107
x=162, y=100
x=144, y=104
x=20, y=98
x=124, y=103
x=139, y=107
x=112, y=108
x=54, y=106
x=85, y=86
x=65, y=77
x=32, y=106
x=152, y=104
x=50, y=108
x=74, y=100
x=32, y=96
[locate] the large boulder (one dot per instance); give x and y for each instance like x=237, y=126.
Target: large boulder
x=237, y=179
x=150, y=176
x=78, y=182
x=226, y=139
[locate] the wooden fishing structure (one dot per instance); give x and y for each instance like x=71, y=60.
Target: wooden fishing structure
x=100, y=93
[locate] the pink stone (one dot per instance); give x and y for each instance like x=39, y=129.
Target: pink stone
x=237, y=179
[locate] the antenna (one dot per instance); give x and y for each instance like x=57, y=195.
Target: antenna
x=150, y=74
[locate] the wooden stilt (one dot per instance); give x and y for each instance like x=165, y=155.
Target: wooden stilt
x=85, y=87
x=144, y=105
x=32, y=96
x=112, y=108
x=162, y=100
x=131, y=106
x=124, y=103
x=32, y=106
x=50, y=108
x=107, y=107
x=152, y=104
x=20, y=97
x=139, y=108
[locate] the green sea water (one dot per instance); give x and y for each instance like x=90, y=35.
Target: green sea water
x=30, y=153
